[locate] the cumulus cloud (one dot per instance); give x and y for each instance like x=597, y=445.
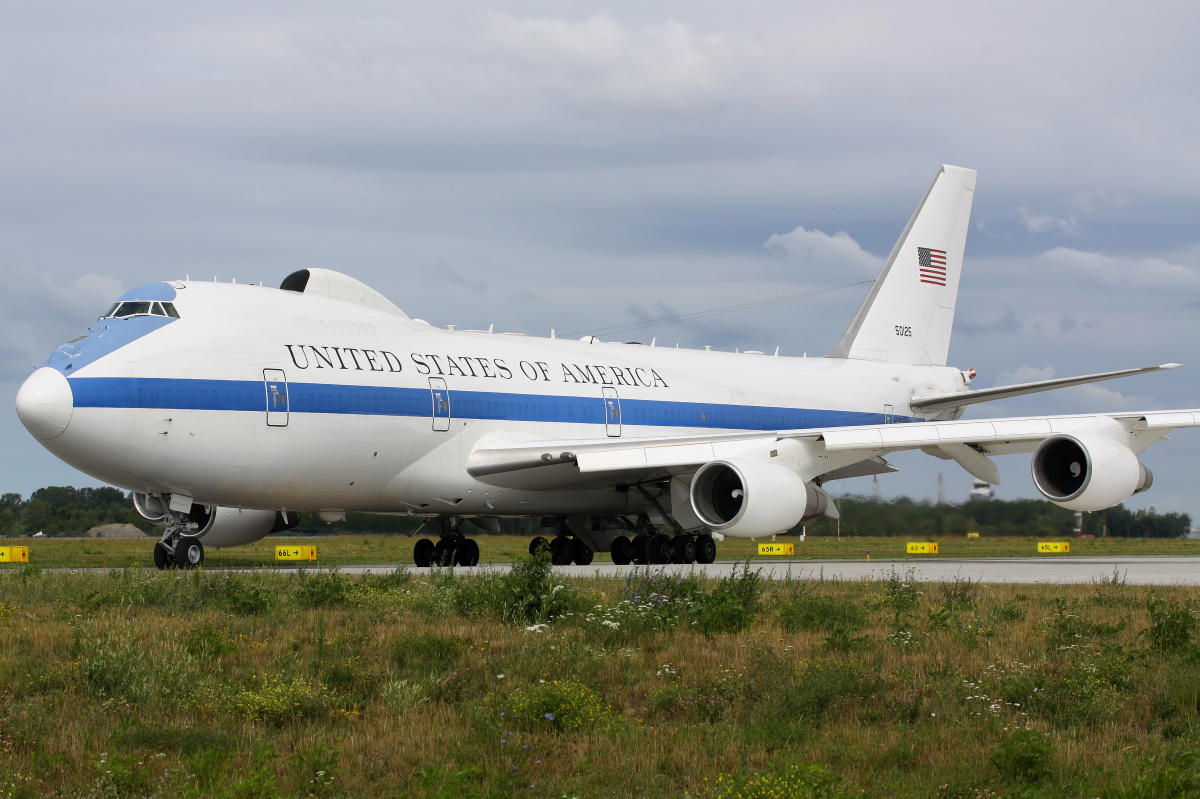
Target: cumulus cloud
x=40, y=313
x=1008, y=324
x=815, y=247
x=1123, y=271
x=1045, y=223
x=1025, y=374
x=602, y=61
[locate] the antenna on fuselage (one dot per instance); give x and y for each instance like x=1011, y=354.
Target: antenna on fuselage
x=653, y=340
x=552, y=333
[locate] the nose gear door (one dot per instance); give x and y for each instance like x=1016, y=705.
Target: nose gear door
x=277, y=397
x=612, y=412
x=441, y=404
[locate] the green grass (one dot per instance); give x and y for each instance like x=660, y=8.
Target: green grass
x=395, y=550
x=258, y=684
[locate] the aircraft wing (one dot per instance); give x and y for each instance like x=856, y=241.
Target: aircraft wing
x=938, y=402
x=968, y=442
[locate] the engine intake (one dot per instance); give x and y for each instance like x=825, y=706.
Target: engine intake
x=231, y=527
x=747, y=498
x=1088, y=472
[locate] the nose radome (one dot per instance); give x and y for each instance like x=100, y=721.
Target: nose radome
x=45, y=404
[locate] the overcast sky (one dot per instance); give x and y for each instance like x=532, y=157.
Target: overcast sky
x=574, y=166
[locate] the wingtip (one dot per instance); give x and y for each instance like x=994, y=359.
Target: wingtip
x=1170, y=366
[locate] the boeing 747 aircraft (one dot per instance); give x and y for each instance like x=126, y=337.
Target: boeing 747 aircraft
x=227, y=409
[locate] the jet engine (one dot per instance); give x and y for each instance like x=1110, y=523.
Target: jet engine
x=1088, y=472
x=217, y=526
x=231, y=527
x=747, y=498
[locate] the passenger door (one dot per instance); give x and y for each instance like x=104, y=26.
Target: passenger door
x=275, y=382
x=441, y=404
x=612, y=412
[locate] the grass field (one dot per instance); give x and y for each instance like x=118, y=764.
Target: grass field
x=256, y=684
x=395, y=550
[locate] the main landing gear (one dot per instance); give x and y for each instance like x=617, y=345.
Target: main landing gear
x=648, y=547
x=177, y=549
x=452, y=548
x=565, y=547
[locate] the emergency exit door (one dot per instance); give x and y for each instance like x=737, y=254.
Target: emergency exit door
x=441, y=404
x=277, y=397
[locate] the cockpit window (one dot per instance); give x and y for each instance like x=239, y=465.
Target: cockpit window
x=123, y=310
x=132, y=309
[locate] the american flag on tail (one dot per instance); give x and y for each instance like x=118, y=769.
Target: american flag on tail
x=933, y=265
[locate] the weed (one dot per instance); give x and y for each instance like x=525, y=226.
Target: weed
x=817, y=612
x=275, y=698
x=822, y=682
x=401, y=695
x=317, y=771
x=209, y=642
x=1174, y=776
x=1023, y=755
x=901, y=594
x=795, y=780
x=960, y=592
x=427, y=654
x=245, y=598
x=731, y=607
x=529, y=594
x=321, y=590
x=565, y=704
x=1067, y=627
x=1171, y=627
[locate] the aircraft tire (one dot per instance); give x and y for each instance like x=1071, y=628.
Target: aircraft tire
x=706, y=549
x=683, y=549
x=537, y=544
x=162, y=558
x=561, y=551
x=583, y=553
x=641, y=546
x=659, y=549
x=423, y=553
x=189, y=552
x=468, y=552
x=622, y=551
x=443, y=553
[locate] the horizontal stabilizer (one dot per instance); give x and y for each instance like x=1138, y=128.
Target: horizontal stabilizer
x=939, y=402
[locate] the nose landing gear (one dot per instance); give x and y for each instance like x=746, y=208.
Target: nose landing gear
x=177, y=549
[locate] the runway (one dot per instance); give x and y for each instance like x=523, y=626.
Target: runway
x=1049, y=569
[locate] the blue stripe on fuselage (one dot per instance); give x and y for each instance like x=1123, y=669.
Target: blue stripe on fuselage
x=250, y=395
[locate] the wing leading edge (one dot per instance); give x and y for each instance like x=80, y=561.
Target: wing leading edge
x=840, y=449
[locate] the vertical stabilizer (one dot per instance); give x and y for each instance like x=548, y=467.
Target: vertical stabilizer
x=907, y=315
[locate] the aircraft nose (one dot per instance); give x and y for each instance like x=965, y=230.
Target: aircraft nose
x=45, y=404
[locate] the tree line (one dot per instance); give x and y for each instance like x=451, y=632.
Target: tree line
x=902, y=516
x=67, y=510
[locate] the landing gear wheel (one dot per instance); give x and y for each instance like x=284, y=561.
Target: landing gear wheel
x=561, y=551
x=189, y=552
x=622, y=551
x=683, y=549
x=468, y=552
x=583, y=553
x=641, y=547
x=659, y=549
x=443, y=553
x=706, y=549
x=537, y=544
x=423, y=554
x=162, y=557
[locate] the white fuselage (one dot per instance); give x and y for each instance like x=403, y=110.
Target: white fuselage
x=373, y=411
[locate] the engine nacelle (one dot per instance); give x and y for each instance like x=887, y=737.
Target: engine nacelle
x=1089, y=472
x=231, y=527
x=747, y=498
x=152, y=509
